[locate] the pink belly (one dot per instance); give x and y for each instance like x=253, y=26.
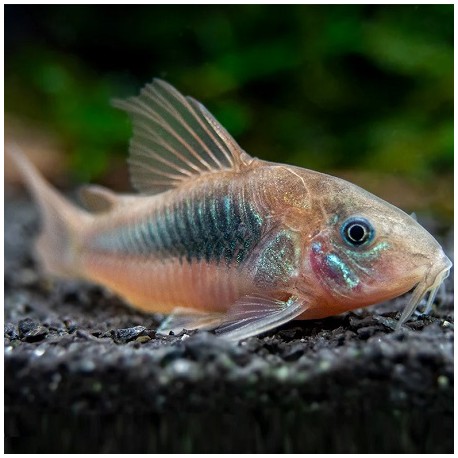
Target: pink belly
x=156, y=286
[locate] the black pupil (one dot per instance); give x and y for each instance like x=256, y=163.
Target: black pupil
x=357, y=233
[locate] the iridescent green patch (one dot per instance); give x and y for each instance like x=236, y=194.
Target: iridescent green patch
x=342, y=270
x=278, y=260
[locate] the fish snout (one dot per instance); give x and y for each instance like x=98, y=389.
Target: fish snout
x=441, y=267
x=444, y=267
x=437, y=272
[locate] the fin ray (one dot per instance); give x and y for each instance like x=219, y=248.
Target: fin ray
x=174, y=113
x=249, y=316
x=253, y=315
x=175, y=138
x=167, y=129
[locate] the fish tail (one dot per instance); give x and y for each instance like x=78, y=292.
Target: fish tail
x=62, y=222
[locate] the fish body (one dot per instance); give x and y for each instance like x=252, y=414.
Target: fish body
x=219, y=239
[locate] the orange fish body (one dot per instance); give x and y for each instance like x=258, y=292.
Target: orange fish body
x=221, y=240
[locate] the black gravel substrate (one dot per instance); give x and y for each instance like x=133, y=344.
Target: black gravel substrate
x=86, y=373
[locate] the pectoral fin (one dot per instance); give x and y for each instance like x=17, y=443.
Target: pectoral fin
x=249, y=316
x=253, y=315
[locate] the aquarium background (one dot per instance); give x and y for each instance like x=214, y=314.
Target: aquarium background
x=364, y=92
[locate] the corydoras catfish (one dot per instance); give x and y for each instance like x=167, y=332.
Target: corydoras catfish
x=221, y=240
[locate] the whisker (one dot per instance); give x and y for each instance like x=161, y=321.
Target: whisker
x=442, y=292
x=418, y=294
x=432, y=296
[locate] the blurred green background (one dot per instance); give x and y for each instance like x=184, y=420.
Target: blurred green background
x=360, y=91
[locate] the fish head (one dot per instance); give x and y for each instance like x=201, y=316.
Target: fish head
x=364, y=250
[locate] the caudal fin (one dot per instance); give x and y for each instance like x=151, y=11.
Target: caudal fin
x=62, y=222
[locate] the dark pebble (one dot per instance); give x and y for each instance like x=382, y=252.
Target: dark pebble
x=31, y=330
x=36, y=334
x=11, y=331
x=294, y=353
x=26, y=325
x=126, y=335
x=70, y=325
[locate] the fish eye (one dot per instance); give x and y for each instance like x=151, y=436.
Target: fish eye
x=357, y=231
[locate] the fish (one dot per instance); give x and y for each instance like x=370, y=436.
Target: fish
x=219, y=240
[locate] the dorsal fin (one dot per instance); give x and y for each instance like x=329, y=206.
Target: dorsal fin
x=175, y=139
x=98, y=199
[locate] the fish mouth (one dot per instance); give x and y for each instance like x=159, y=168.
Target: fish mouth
x=429, y=285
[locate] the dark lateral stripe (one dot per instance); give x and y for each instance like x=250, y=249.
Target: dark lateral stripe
x=213, y=229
